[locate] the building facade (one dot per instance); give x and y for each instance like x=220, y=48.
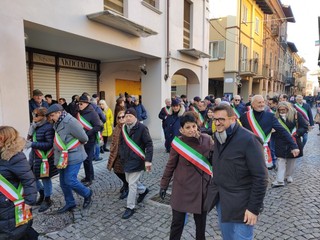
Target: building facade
x=106, y=47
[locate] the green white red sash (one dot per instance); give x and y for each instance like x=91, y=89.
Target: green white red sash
x=235, y=111
x=131, y=144
x=44, y=167
x=166, y=110
x=22, y=215
x=87, y=126
x=200, y=115
x=301, y=110
x=257, y=130
x=63, y=159
x=192, y=155
x=293, y=132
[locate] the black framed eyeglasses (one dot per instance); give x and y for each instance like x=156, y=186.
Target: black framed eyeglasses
x=36, y=115
x=120, y=117
x=220, y=120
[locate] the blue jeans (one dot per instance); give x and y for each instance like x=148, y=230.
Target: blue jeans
x=234, y=231
x=272, y=146
x=97, y=151
x=69, y=182
x=304, y=139
x=46, y=185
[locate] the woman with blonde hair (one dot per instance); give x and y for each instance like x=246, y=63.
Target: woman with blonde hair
x=294, y=123
x=114, y=158
x=107, y=126
x=15, y=173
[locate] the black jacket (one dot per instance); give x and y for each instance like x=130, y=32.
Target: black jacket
x=93, y=118
x=15, y=170
x=140, y=135
x=240, y=174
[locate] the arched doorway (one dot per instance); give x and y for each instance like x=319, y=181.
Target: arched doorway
x=185, y=81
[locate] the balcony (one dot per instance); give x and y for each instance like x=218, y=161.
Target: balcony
x=249, y=67
x=290, y=81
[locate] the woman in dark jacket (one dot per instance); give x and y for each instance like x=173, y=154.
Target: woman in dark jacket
x=190, y=182
x=15, y=170
x=295, y=124
x=41, y=157
x=207, y=123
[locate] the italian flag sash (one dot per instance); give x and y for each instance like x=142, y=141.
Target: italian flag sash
x=257, y=130
x=131, y=144
x=166, y=110
x=301, y=110
x=22, y=215
x=235, y=111
x=193, y=156
x=200, y=115
x=63, y=159
x=293, y=132
x=44, y=167
x=87, y=126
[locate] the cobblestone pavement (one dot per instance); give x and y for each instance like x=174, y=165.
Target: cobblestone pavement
x=291, y=212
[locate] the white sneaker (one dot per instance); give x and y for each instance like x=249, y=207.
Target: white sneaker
x=276, y=184
x=289, y=179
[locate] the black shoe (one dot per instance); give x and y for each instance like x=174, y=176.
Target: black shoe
x=87, y=201
x=124, y=194
x=106, y=149
x=84, y=180
x=101, y=150
x=87, y=183
x=122, y=188
x=41, y=198
x=127, y=213
x=142, y=195
x=98, y=159
x=45, y=205
x=66, y=209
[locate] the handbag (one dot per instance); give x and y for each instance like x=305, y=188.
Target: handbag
x=317, y=118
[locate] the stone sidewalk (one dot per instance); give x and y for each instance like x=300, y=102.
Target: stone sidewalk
x=291, y=212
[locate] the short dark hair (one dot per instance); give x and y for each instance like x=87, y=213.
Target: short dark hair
x=48, y=96
x=187, y=117
x=224, y=107
x=274, y=100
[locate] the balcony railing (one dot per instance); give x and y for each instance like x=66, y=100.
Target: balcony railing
x=249, y=67
x=290, y=81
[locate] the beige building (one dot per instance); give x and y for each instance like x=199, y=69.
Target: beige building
x=106, y=47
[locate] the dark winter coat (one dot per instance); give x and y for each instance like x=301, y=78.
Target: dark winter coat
x=281, y=147
x=267, y=122
x=189, y=187
x=208, y=130
x=141, y=112
x=15, y=168
x=163, y=114
x=240, y=174
x=309, y=112
x=44, y=136
x=93, y=118
x=131, y=161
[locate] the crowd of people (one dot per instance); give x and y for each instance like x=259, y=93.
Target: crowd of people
x=208, y=163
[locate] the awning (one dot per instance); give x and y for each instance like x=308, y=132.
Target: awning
x=194, y=53
x=120, y=22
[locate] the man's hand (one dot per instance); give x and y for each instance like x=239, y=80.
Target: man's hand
x=250, y=218
x=148, y=166
x=162, y=193
x=295, y=152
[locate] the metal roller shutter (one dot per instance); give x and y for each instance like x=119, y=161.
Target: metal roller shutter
x=73, y=81
x=44, y=78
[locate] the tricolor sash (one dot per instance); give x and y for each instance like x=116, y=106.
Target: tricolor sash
x=131, y=144
x=63, y=159
x=235, y=111
x=301, y=110
x=293, y=132
x=44, y=166
x=22, y=215
x=87, y=126
x=193, y=156
x=200, y=115
x=166, y=110
x=257, y=130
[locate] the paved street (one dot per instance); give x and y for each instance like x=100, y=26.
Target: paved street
x=291, y=212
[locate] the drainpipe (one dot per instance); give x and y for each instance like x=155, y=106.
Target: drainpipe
x=239, y=62
x=166, y=76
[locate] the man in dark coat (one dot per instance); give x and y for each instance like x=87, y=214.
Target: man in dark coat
x=240, y=177
x=136, y=151
x=91, y=123
x=258, y=119
x=36, y=101
x=164, y=112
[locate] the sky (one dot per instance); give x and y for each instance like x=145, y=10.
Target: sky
x=303, y=33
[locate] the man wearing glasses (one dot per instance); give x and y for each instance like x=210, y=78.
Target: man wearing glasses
x=240, y=177
x=237, y=106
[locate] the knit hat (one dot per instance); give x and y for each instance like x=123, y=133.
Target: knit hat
x=197, y=99
x=175, y=102
x=37, y=92
x=54, y=108
x=84, y=98
x=131, y=111
x=95, y=95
